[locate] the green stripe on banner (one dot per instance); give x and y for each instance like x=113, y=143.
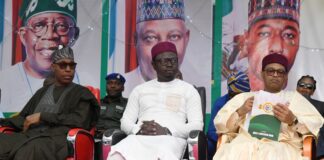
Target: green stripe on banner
x=217, y=56
x=104, y=46
x=217, y=50
x=207, y=119
x=9, y=114
x=227, y=7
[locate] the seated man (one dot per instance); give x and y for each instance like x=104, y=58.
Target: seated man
x=298, y=117
x=160, y=113
x=53, y=110
x=237, y=82
x=112, y=105
x=306, y=86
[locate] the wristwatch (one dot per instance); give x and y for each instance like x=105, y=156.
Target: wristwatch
x=294, y=122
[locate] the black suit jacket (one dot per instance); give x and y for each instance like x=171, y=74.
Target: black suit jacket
x=319, y=105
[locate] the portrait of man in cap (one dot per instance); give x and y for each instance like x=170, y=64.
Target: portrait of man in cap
x=273, y=27
x=46, y=25
x=151, y=29
x=167, y=20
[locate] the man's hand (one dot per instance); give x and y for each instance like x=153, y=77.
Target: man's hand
x=31, y=119
x=283, y=113
x=246, y=107
x=152, y=128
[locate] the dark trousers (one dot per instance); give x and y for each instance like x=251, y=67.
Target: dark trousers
x=8, y=142
x=19, y=146
x=98, y=151
x=320, y=144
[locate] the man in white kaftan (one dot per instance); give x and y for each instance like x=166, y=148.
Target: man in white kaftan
x=170, y=107
x=297, y=118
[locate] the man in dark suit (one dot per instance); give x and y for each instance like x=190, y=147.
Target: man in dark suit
x=306, y=86
x=52, y=111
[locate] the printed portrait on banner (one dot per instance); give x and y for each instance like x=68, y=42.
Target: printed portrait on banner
x=253, y=29
x=33, y=30
x=142, y=24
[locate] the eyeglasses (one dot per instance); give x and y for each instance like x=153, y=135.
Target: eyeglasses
x=64, y=65
x=306, y=85
x=40, y=28
x=279, y=72
x=166, y=61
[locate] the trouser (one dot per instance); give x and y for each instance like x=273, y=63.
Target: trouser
x=19, y=146
x=8, y=142
x=98, y=151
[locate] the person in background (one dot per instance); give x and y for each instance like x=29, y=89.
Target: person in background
x=157, y=21
x=113, y=105
x=44, y=122
x=237, y=82
x=160, y=113
x=298, y=117
x=306, y=86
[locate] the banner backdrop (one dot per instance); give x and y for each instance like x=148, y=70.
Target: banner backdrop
x=106, y=43
x=25, y=48
x=302, y=43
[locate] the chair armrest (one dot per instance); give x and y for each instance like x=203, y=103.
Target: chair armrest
x=197, y=145
x=113, y=136
x=81, y=144
x=6, y=129
x=309, y=146
x=95, y=92
x=110, y=138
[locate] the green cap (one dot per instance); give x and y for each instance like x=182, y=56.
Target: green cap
x=31, y=8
